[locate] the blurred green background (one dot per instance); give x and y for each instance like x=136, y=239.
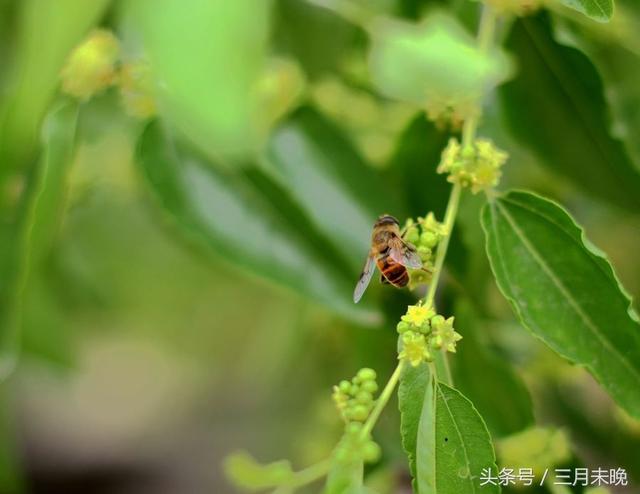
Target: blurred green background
x=181, y=288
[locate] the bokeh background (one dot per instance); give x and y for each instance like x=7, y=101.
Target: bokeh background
x=182, y=312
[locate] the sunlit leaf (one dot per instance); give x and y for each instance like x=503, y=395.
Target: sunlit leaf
x=598, y=10
x=564, y=290
x=557, y=108
x=223, y=212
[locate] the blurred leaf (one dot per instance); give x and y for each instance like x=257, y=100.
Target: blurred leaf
x=222, y=211
x=206, y=59
x=487, y=379
x=32, y=234
x=539, y=448
x=564, y=290
x=11, y=480
x=49, y=29
x=245, y=472
x=413, y=167
x=341, y=194
x=315, y=36
x=598, y=10
x=446, y=440
x=435, y=64
x=556, y=107
x=615, y=50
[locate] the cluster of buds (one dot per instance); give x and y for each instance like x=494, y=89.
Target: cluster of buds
x=421, y=331
x=95, y=65
x=425, y=234
x=476, y=165
x=354, y=400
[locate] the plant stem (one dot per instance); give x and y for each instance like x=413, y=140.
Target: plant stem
x=306, y=476
x=382, y=400
x=441, y=253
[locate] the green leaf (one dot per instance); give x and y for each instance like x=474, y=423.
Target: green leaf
x=598, y=10
x=414, y=383
x=341, y=194
x=223, y=212
x=25, y=244
x=195, y=52
x=564, y=290
x=487, y=379
x=48, y=30
x=444, y=436
x=556, y=107
x=245, y=472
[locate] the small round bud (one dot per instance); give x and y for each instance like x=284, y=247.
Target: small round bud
x=437, y=321
x=344, y=386
x=371, y=452
x=360, y=413
x=429, y=239
x=370, y=386
x=436, y=342
x=402, y=327
x=353, y=428
x=364, y=397
x=366, y=374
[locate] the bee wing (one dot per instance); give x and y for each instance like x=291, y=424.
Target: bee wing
x=404, y=253
x=365, y=278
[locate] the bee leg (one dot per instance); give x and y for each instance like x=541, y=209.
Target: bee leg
x=383, y=280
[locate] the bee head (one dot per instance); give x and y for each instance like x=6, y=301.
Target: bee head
x=386, y=219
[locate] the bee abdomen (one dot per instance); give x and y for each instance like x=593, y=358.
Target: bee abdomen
x=395, y=273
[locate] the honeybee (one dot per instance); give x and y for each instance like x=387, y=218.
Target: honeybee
x=390, y=253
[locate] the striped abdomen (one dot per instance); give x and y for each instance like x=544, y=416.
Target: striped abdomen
x=394, y=272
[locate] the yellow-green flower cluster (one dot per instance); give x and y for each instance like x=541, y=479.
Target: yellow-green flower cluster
x=95, y=65
x=422, y=330
x=425, y=234
x=91, y=66
x=354, y=399
x=477, y=165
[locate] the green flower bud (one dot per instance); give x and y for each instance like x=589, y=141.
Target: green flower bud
x=364, y=397
x=370, y=386
x=353, y=428
x=360, y=413
x=367, y=374
x=402, y=327
x=344, y=386
x=429, y=239
x=436, y=342
x=371, y=452
x=437, y=321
